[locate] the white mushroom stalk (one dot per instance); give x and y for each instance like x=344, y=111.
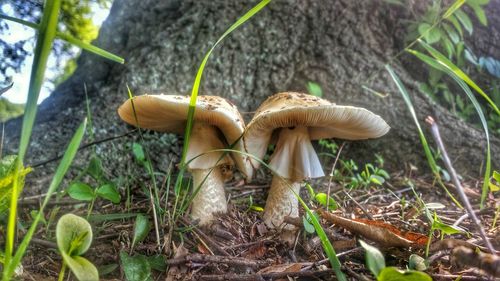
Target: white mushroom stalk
x=293, y=160
x=298, y=119
x=217, y=123
x=205, y=166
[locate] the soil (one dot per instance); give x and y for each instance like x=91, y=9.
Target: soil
x=238, y=245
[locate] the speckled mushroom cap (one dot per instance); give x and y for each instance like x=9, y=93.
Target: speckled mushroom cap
x=168, y=113
x=323, y=119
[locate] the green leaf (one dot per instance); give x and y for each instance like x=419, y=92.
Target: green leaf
x=74, y=235
x=322, y=199
x=157, y=262
x=378, y=180
x=416, y=262
x=374, y=259
x=447, y=229
x=448, y=46
x=464, y=20
x=479, y=12
x=109, y=192
x=94, y=169
x=81, y=191
x=136, y=268
x=141, y=229
x=453, y=8
x=138, y=152
x=83, y=269
x=393, y=274
x=496, y=176
x=314, y=89
x=456, y=24
x=452, y=33
x=431, y=34
x=308, y=227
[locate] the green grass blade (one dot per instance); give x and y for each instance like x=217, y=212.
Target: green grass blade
x=423, y=140
x=199, y=74
x=91, y=48
x=455, y=6
x=70, y=39
x=20, y=21
x=436, y=64
x=45, y=38
x=442, y=59
x=63, y=167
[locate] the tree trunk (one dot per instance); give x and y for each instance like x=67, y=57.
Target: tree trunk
x=342, y=45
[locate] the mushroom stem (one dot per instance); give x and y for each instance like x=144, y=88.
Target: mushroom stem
x=281, y=202
x=210, y=197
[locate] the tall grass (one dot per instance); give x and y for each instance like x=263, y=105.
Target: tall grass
x=45, y=37
x=428, y=154
x=441, y=63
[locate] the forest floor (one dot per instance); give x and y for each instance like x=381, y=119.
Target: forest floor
x=238, y=246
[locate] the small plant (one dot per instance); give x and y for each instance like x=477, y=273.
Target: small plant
x=376, y=264
x=351, y=177
x=74, y=236
x=105, y=188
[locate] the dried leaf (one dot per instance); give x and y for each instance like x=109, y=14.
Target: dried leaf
x=256, y=251
x=380, y=232
x=177, y=270
x=288, y=267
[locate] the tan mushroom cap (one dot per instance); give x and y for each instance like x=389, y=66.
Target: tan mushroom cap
x=323, y=119
x=168, y=113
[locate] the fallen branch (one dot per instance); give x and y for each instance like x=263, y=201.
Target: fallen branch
x=265, y=276
x=200, y=258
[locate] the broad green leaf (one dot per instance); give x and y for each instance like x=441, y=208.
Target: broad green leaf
x=453, y=8
x=74, y=235
x=374, y=259
x=378, y=180
x=138, y=152
x=464, y=20
x=308, y=227
x=314, y=89
x=431, y=34
x=157, y=262
x=83, y=269
x=322, y=199
x=416, y=262
x=445, y=228
x=136, y=268
x=142, y=227
x=393, y=274
x=81, y=191
x=108, y=191
x=94, y=169
x=496, y=176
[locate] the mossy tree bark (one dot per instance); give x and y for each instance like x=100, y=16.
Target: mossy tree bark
x=342, y=45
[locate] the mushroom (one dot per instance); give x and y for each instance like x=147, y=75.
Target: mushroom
x=291, y=121
x=217, y=123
